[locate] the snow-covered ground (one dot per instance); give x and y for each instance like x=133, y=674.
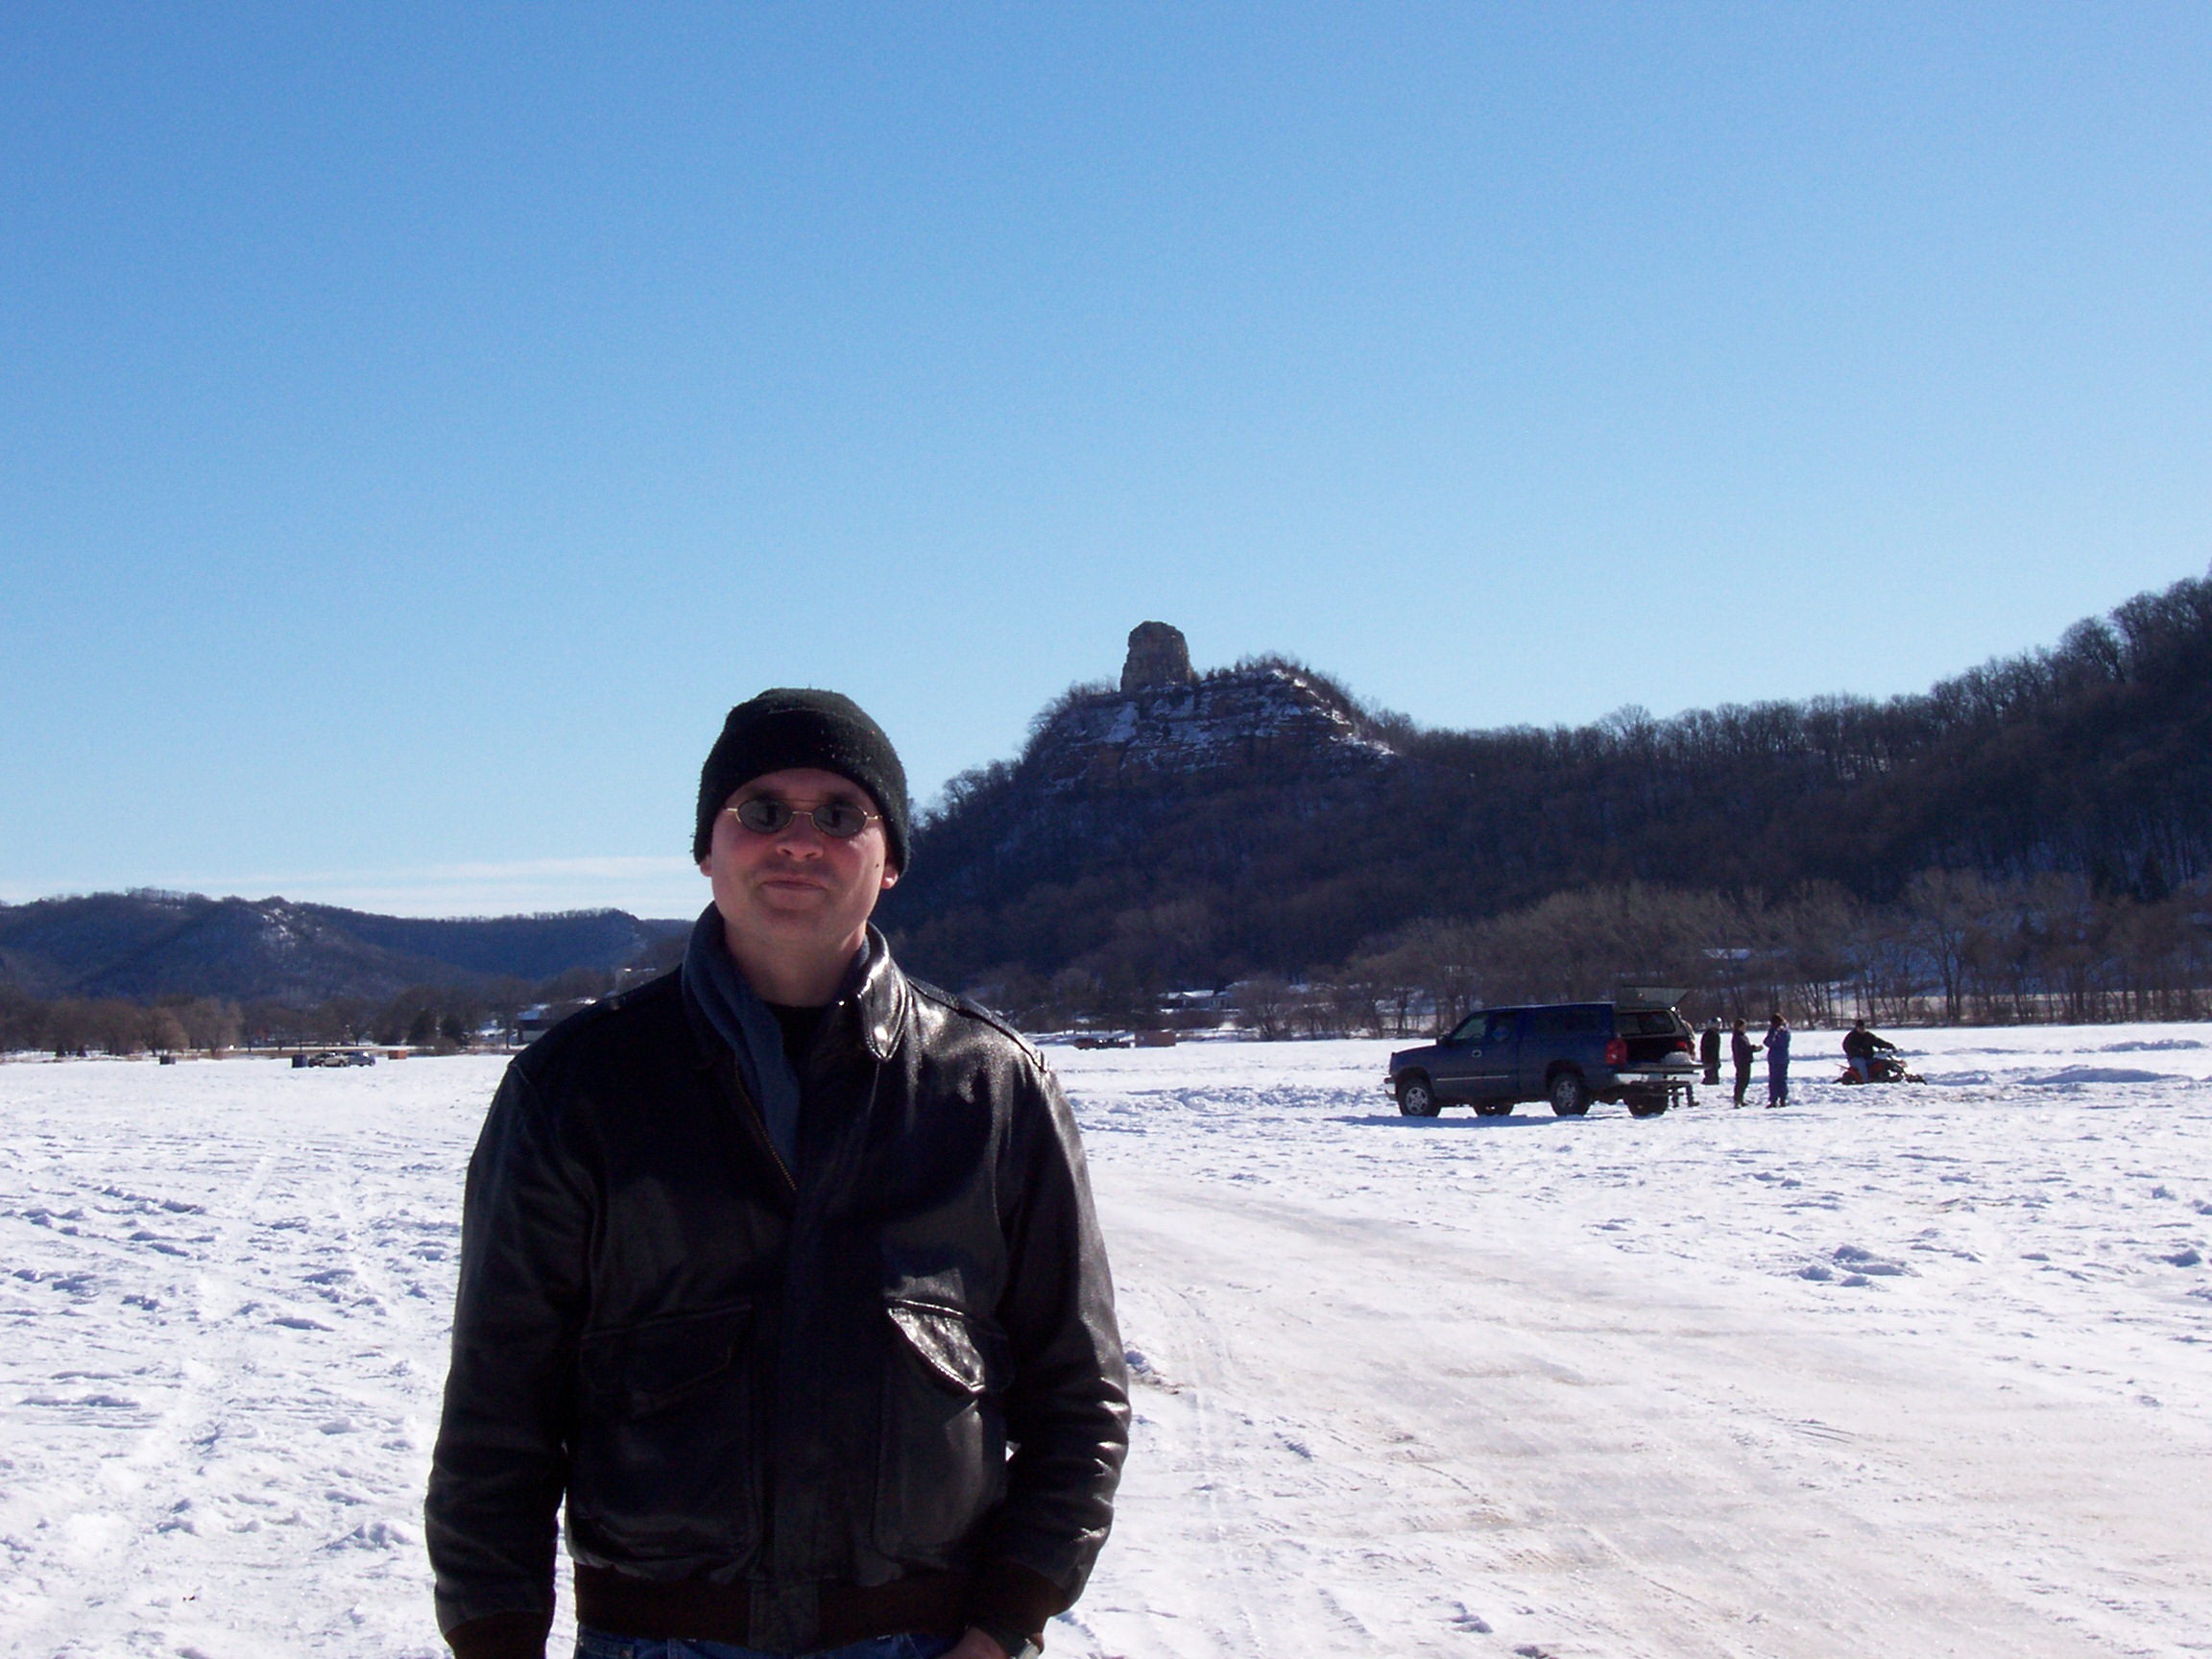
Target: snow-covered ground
x=1921, y=1371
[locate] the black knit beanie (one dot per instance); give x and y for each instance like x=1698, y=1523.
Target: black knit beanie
x=783, y=729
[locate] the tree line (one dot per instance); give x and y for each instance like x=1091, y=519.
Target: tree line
x=441, y=1019
x=1957, y=947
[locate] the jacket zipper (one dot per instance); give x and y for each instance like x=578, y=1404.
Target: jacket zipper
x=758, y=1124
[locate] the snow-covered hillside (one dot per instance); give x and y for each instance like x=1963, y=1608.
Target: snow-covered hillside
x=1922, y=1371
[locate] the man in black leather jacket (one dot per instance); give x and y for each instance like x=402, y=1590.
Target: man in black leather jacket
x=782, y=1273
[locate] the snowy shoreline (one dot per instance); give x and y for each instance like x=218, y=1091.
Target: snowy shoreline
x=1893, y=1369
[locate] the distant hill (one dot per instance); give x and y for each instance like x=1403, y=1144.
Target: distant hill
x=142, y=944
x=1182, y=829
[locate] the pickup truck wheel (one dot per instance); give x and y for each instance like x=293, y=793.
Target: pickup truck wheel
x=1570, y=1095
x=1416, y=1098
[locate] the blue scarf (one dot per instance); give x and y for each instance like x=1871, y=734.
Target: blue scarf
x=741, y=1020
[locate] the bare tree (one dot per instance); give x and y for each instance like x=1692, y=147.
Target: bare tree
x=1266, y=1006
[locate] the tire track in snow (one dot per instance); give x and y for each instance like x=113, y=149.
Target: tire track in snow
x=104, y=1614
x=1658, y=1478
x=1200, y=1438
x=1278, y=1493
x=268, y=1504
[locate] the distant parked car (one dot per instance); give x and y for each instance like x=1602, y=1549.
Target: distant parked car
x=1635, y=1049
x=335, y=1057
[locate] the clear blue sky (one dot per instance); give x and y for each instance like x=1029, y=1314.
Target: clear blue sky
x=416, y=430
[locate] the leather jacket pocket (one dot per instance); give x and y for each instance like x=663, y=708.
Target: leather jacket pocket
x=942, y=1461
x=664, y=1459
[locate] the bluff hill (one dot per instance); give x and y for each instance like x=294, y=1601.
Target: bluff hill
x=143, y=944
x=1186, y=827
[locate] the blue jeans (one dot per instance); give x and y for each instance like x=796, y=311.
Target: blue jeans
x=600, y=1644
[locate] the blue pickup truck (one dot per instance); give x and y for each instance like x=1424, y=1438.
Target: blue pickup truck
x=1635, y=1049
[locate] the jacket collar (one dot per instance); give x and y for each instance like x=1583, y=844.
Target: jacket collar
x=876, y=990
x=878, y=995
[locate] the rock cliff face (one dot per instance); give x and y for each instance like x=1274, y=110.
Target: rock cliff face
x=1157, y=656
x=1167, y=722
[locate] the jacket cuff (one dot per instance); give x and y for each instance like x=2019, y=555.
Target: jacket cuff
x=501, y=1636
x=1011, y=1596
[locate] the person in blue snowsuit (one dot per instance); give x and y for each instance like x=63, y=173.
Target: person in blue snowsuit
x=1777, y=1047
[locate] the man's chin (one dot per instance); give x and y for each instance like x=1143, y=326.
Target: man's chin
x=793, y=901
x=801, y=922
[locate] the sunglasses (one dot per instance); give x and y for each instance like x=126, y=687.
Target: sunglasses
x=765, y=815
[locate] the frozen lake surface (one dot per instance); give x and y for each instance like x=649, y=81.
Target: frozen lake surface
x=1912, y=1371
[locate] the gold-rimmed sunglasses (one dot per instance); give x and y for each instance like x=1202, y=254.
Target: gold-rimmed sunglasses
x=765, y=815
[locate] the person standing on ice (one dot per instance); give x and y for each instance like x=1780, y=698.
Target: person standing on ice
x=1709, y=1051
x=1777, y=1047
x=1740, y=1049
x=781, y=1273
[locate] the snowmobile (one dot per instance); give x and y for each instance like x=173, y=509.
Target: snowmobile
x=1882, y=1069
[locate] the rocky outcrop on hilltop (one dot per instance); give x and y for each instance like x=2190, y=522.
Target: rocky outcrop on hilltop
x=1168, y=722
x=1157, y=656
x=1183, y=800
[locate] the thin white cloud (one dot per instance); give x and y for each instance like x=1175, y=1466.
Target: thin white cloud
x=653, y=887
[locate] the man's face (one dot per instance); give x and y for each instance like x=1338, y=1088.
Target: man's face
x=798, y=890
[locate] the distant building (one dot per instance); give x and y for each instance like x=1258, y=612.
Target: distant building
x=540, y=1018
